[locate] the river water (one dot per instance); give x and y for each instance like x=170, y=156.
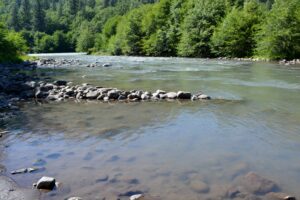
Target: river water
x=99, y=150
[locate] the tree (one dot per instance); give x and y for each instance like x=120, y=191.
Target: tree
x=234, y=37
x=38, y=17
x=198, y=27
x=73, y=6
x=14, y=20
x=279, y=36
x=25, y=14
x=86, y=39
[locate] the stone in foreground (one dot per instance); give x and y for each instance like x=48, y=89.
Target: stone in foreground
x=279, y=196
x=46, y=183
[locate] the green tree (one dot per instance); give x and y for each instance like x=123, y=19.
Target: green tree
x=86, y=39
x=25, y=14
x=279, y=36
x=14, y=20
x=38, y=16
x=198, y=27
x=234, y=37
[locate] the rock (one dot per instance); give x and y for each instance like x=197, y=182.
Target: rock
x=41, y=95
x=19, y=171
x=171, y=95
x=102, y=178
x=9, y=190
x=60, y=83
x=184, y=95
x=279, y=196
x=163, y=96
x=254, y=183
x=31, y=169
x=92, y=94
x=113, y=94
x=107, y=65
x=47, y=183
x=136, y=197
x=199, y=186
x=204, y=97
x=74, y=198
x=145, y=97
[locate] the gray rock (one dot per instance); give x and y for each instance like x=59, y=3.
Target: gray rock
x=171, y=95
x=101, y=97
x=19, y=171
x=113, y=94
x=145, y=97
x=92, y=94
x=184, y=95
x=60, y=83
x=136, y=197
x=107, y=65
x=47, y=183
x=41, y=95
x=204, y=96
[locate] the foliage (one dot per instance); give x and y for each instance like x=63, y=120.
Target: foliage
x=12, y=45
x=279, y=36
x=234, y=37
x=192, y=28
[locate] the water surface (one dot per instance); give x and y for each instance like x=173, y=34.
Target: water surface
x=101, y=150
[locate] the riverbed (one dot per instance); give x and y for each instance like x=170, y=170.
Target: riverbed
x=101, y=150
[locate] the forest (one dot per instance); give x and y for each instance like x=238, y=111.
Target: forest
x=268, y=29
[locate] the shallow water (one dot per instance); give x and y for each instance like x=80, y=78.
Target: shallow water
x=101, y=150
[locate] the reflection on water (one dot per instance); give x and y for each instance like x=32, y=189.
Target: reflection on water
x=102, y=150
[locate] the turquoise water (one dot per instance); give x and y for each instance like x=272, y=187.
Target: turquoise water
x=159, y=147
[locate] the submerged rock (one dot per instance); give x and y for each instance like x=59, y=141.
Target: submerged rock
x=199, y=186
x=257, y=184
x=46, y=183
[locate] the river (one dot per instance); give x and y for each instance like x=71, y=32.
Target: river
x=98, y=150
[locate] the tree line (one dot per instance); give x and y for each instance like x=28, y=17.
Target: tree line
x=188, y=28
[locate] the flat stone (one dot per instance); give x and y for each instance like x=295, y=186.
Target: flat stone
x=199, y=186
x=47, y=183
